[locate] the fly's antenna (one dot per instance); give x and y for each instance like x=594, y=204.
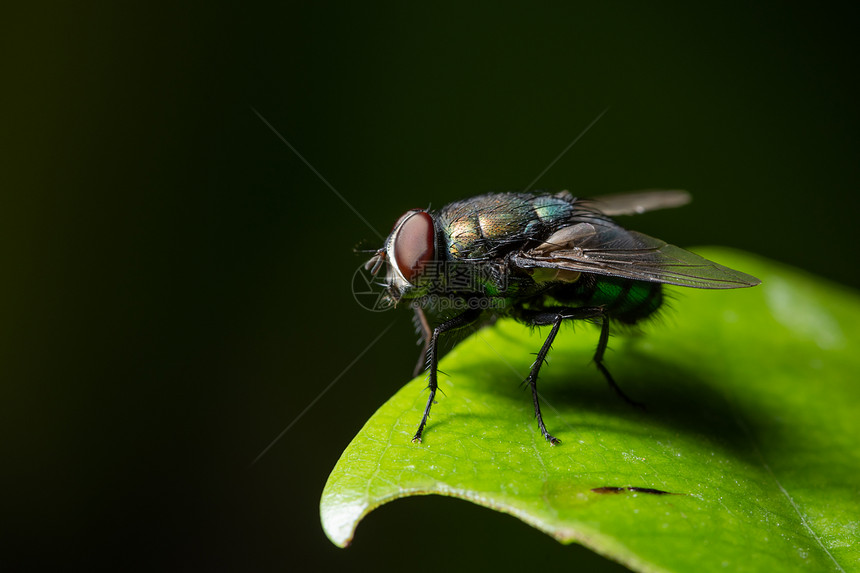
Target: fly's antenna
x=362, y=247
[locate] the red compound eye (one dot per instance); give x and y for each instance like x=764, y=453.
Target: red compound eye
x=414, y=244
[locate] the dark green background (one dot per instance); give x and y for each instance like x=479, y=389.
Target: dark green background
x=177, y=281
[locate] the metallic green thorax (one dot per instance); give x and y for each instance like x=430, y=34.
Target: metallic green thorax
x=490, y=225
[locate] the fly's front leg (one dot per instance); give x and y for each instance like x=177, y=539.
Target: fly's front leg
x=458, y=321
x=424, y=327
x=555, y=318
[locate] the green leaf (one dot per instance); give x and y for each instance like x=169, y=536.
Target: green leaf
x=752, y=424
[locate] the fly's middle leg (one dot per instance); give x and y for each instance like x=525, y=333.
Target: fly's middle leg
x=555, y=318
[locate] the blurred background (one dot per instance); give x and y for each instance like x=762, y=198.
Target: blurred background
x=177, y=285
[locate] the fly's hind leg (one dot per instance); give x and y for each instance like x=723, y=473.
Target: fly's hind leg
x=602, y=343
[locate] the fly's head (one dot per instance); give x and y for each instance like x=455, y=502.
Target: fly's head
x=408, y=252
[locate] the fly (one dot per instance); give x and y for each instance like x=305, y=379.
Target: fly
x=541, y=259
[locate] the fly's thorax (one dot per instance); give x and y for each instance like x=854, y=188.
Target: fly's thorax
x=491, y=225
x=552, y=210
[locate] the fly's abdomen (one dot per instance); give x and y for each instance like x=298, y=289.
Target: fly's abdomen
x=624, y=300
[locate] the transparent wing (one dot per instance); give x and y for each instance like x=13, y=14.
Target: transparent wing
x=638, y=202
x=603, y=248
